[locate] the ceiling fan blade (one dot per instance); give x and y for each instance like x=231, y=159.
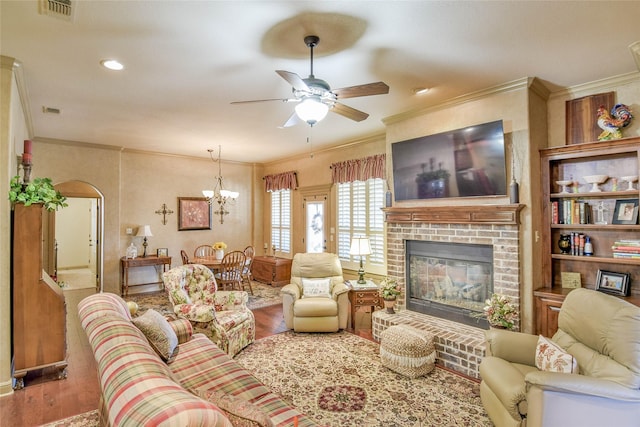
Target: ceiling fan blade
x=294, y=80
x=378, y=88
x=348, y=112
x=265, y=100
x=291, y=121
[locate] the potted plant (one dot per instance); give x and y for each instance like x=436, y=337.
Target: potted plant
x=389, y=290
x=501, y=312
x=40, y=190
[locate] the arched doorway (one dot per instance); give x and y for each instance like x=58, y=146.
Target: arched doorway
x=76, y=232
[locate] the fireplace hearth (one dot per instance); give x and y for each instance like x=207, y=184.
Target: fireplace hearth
x=493, y=227
x=449, y=280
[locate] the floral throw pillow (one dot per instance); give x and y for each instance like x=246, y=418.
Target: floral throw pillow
x=551, y=357
x=159, y=333
x=316, y=288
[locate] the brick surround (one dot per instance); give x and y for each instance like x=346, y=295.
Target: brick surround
x=460, y=347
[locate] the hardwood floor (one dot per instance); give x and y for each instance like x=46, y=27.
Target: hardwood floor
x=45, y=399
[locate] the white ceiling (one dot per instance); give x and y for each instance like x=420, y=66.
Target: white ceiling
x=187, y=60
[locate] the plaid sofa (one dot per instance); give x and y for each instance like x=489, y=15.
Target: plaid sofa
x=202, y=386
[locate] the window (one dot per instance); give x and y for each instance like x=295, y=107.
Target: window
x=281, y=220
x=360, y=214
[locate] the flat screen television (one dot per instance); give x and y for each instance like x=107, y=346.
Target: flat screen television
x=460, y=163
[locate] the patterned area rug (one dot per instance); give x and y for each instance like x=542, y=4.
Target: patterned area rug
x=88, y=419
x=263, y=296
x=338, y=380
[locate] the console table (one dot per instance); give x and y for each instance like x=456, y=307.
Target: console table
x=149, y=260
x=271, y=270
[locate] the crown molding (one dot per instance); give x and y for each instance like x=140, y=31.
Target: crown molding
x=513, y=85
x=18, y=74
x=596, y=86
x=379, y=136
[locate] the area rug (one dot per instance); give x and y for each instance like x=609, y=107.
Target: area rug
x=263, y=296
x=88, y=419
x=338, y=380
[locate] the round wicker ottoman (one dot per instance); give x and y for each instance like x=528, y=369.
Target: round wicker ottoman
x=407, y=350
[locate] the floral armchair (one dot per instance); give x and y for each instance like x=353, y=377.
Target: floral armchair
x=222, y=315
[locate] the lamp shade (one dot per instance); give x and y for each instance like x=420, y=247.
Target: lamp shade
x=144, y=231
x=360, y=246
x=312, y=110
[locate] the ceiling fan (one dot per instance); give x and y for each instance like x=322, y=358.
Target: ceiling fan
x=315, y=97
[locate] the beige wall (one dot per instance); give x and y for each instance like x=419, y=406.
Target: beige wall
x=136, y=184
x=627, y=91
x=314, y=175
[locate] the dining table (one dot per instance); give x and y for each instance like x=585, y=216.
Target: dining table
x=208, y=261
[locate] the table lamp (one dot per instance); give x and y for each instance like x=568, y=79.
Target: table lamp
x=144, y=231
x=360, y=247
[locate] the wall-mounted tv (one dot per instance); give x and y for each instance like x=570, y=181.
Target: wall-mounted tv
x=459, y=163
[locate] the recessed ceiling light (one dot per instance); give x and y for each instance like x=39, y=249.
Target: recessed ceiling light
x=421, y=90
x=112, y=64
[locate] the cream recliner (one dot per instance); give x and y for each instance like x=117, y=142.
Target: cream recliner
x=325, y=305
x=602, y=332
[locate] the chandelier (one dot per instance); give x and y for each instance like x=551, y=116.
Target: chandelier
x=219, y=195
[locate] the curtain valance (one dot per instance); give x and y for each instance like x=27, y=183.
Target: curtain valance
x=281, y=181
x=359, y=169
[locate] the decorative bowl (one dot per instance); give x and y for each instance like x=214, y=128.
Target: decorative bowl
x=564, y=184
x=594, y=180
x=630, y=179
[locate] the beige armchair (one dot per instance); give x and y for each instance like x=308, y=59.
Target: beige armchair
x=317, y=299
x=602, y=333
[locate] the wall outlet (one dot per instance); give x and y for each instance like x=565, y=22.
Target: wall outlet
x=129, y=231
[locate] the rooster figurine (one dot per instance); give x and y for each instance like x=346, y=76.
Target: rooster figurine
x=611, y=124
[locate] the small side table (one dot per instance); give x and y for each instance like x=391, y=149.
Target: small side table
x=363, y=297
x=149, y=260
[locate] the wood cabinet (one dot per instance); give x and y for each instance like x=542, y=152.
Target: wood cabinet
x=615, y=159
x=39, y=308
x=271, y=270
x=363, y=298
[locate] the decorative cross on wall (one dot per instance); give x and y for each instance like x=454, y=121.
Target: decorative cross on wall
x=164, y=212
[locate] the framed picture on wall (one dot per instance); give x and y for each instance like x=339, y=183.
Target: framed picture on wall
x=194, y=213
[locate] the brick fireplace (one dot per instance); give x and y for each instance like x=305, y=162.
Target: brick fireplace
x=460, y=347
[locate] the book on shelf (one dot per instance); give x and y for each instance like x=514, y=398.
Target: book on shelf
x=571, y=212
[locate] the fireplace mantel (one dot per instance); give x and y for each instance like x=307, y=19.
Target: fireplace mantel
x=472, y=214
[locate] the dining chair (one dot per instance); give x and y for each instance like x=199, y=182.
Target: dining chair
x=185, y=257
x=230, y=271
x=204, y=251
x=249, y=252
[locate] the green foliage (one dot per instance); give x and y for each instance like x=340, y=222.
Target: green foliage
x=40, y=190
x=388, y=289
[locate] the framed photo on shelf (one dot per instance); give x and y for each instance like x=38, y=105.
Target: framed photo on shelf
x=626, y=212
x=613, y=283
x=163, y=252
x=194, y=213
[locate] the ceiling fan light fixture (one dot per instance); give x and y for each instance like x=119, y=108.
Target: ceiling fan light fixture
x=312, y=110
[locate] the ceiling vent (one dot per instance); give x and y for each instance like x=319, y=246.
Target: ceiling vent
x=50, y=110
x=62, y=9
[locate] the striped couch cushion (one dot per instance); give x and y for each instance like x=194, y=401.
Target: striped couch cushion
x=202, y=367
x=138, y=389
